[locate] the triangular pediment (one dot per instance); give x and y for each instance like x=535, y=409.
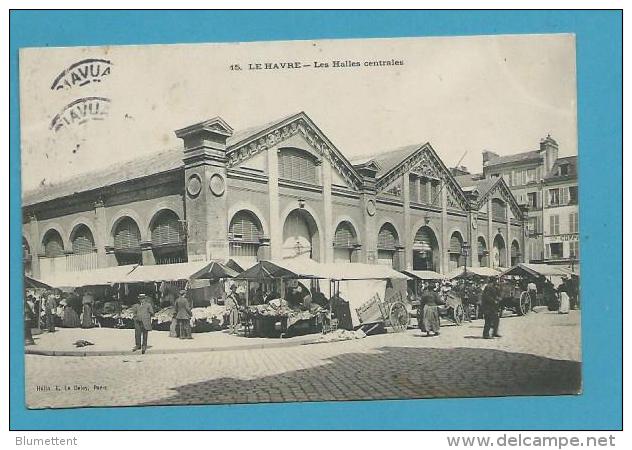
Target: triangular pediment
x=500, y=190
x=216, y=125
x=425, y=162
x=287, y=130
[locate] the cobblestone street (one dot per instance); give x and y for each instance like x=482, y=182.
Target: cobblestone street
x=538, y=354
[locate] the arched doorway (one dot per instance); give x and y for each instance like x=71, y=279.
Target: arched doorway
x=345, y=243
x=456, y=246
x=387, y=243
x=426, y=255
x=483, y=253
x=168, y=241
x=127, y=242
x=245, y=232
x=499, y=252
x=300, y=236
x=515, y=253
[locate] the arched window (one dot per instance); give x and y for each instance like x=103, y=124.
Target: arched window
x=498, y=209
x=345, y=242
x=245, y=234
x=53, y=244
x=127, y=242
x=387, y=243
x=167, y=229
x=82, y=240
x=167, y=238
x=297, y=165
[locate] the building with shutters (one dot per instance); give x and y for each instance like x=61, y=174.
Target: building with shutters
x=561, y=214
x=280, y=190
x=545, y=185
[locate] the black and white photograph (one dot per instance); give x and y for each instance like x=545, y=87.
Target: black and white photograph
x=300, y=221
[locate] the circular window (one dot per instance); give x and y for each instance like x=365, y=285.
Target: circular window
x=370, y=207
x=217, y=184
x=194, y=185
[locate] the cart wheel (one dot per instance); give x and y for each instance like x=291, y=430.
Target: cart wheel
x=524, y=306
x=458, y=314
x=398, y=315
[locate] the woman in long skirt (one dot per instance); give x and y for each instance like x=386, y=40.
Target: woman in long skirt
x=431, y=320
x=71, y=318
x=565, y=304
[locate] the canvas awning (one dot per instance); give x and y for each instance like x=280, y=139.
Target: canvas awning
x=424, y=274
x=32, y=283
x=95, y=277
x=239, y=264
x=165, y=272
x=214, y=271
x=473, y=271
x=266, y=270
x=537, y=270
x=344, y=271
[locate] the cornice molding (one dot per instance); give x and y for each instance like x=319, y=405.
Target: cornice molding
x=304, y=127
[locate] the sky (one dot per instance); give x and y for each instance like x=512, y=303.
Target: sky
x=462, y=94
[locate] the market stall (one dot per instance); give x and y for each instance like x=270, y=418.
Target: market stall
x=547, y=279
x=374, y=295
x=272, y=305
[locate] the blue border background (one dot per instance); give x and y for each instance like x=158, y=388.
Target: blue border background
x=599, y=67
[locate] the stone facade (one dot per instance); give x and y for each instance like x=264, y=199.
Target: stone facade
x=280, y=191
x=530, y=176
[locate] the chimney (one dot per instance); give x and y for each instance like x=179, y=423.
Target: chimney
x=549, y=151
x=488, y=156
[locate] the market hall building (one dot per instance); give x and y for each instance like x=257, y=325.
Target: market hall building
x=282, y=190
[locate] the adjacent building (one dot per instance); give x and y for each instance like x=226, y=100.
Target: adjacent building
x=280, y=190
x=561, y=215
x=545, y=185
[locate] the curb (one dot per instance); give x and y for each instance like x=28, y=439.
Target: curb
x=33, y=351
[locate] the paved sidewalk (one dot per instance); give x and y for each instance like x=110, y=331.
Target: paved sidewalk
x=110, y=341
x=538, y=354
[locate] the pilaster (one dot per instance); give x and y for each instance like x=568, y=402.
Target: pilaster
x=276, y=227
x=327, y=210
x=407, y=238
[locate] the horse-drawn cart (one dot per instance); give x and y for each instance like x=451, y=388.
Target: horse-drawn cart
x=515, y=298
x=452, y=309
x=544, y=276
x=376, y=313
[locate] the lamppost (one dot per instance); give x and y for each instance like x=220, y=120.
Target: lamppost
x=465, y=247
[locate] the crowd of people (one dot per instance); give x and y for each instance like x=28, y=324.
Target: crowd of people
x=479, y=298
x=486, y=298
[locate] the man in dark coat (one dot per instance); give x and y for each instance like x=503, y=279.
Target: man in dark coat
x=50, y=307
x=182, y=314
x=490, y=308
x=143, y=312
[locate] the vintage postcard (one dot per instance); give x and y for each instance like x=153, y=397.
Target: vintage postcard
x=299, y=221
